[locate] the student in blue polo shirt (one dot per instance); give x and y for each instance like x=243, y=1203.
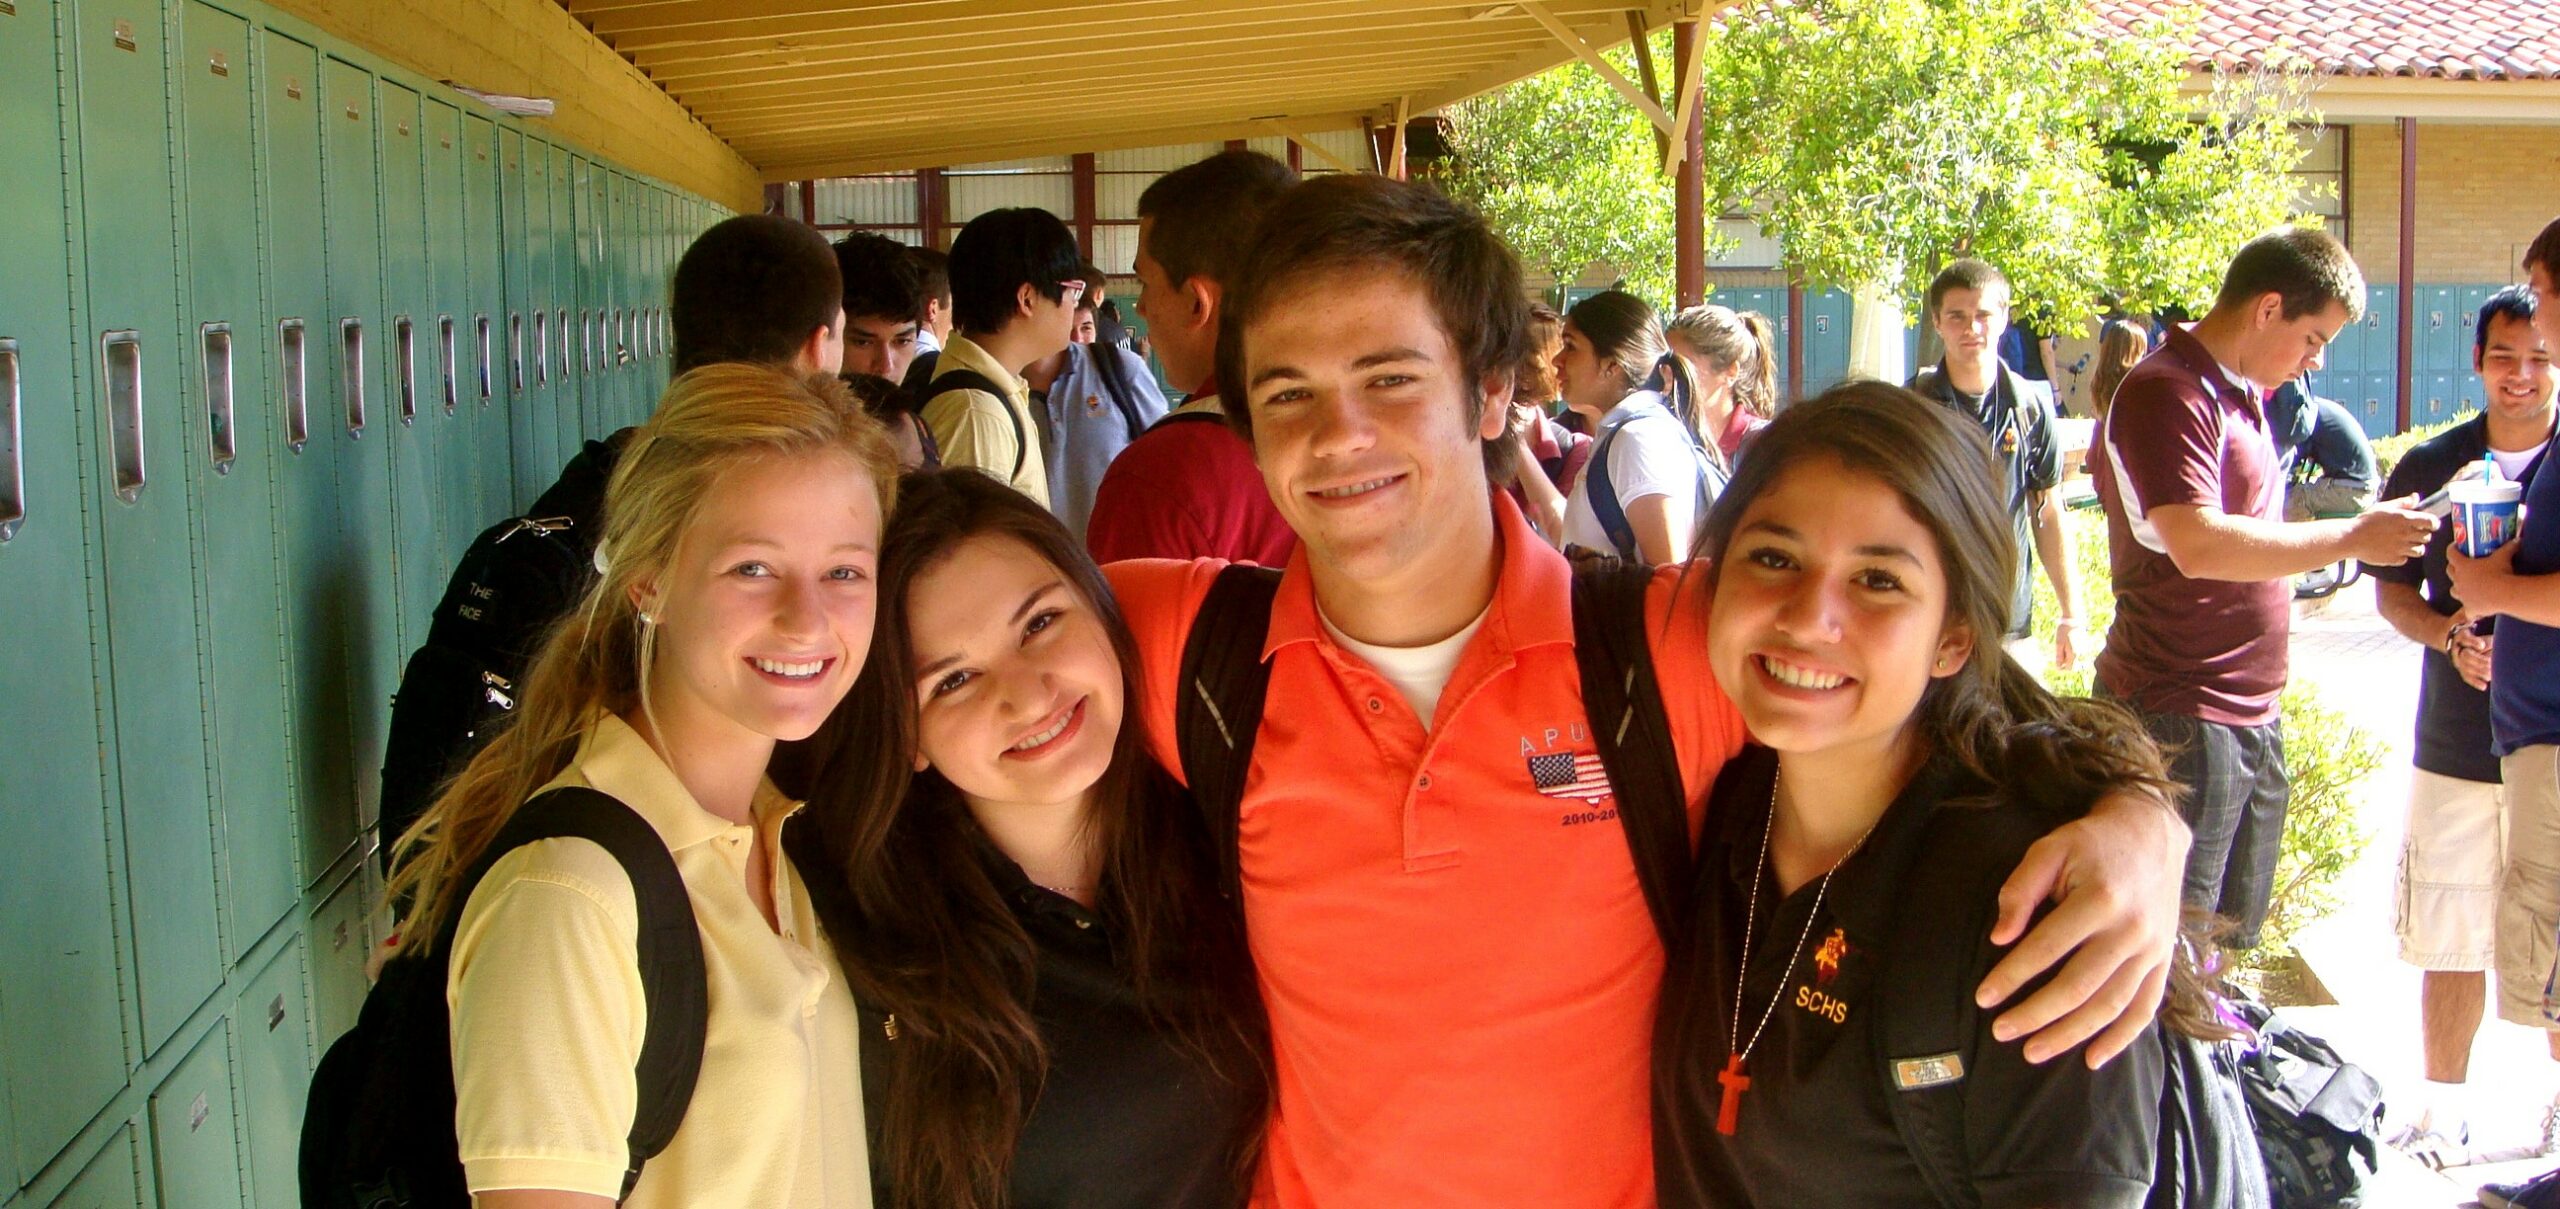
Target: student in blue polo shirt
x=1860, y=566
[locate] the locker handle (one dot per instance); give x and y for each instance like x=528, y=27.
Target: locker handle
x=515, y=350
x=297, y=410
x=586, y=340
x=217, y=395
x=445, y=362
x=480, y=329
x=13, y=459
x=120, y=370
x=541, y=349
x=560, y=320
x=351, y=374
x=625, y=329
x=404, y=348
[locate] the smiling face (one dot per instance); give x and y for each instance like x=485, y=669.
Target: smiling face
x=1367, y=428
x=1970, y=322
x=2515, y=366
x=1831, y=614
x=763, y=614
x=1018, y=692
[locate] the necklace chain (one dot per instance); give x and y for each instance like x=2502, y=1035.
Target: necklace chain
x=1751, y=921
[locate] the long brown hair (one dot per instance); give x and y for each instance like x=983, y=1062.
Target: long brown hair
x=597, y=657
x=2050, y=755
x=924, y=933
x=1626, y=335
x=2121, y=345
x=1740, y=343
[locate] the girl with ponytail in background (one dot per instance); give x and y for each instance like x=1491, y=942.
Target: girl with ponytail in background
x=1734, y=357
x=1644, y=494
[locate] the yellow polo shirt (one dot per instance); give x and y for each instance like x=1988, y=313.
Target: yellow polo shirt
x=970, y=427
x=548, y=1014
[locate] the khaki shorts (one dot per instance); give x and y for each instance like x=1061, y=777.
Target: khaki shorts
x=2446, y=910
x=2529, y=892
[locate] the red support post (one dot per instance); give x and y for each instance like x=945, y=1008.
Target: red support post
x=1084, y=201
x=933, y=205
x=1795, y=340
x=2408, y=264
x=809, y=202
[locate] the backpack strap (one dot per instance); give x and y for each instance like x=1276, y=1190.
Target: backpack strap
x=672, y=980
x=1218, y=709
x=1628, y=724
x=964, y=378
x=1603, y=495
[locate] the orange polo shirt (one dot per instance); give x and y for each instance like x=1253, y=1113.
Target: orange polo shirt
x=1460, y=969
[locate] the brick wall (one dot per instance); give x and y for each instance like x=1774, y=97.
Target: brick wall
x=2482, y=193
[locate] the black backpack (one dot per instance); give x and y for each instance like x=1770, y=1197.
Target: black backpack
x=948, y=381
x=519, y=577
x=378, y=1129
x=2318, y=1117
x=1224, y=681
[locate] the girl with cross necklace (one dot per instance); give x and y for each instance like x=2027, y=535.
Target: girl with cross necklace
x=1860, y=566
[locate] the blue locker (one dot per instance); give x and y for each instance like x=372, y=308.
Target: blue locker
x=1827, y=316
x=454, y=418
x=308, y=448
x=271, y=1034
x=132, y=392
x=582, y=266
x=195, y=1141
x=233, y=463
x=524, y=170
x=360, y=351
x=488, y=309
x=62, y=1052
x=109, y=1181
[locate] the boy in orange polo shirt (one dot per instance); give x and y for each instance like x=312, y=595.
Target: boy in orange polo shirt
x=1456, y=953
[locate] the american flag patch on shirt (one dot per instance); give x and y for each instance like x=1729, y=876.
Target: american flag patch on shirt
x=1576, y=775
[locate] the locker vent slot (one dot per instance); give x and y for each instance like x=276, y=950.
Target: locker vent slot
x=480, y=336
x=120, y=368
x=217, y=396
x=351, y=373
x=297, y=408
x=13, y=457
x=404, y=350
x=445, y=362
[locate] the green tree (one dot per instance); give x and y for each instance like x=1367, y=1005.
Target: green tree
x=1879, y=138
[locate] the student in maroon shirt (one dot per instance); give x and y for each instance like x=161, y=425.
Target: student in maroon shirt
x=1187, y=487
x=2201, y=553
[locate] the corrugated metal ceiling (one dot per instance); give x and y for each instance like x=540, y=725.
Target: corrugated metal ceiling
x=809, y=88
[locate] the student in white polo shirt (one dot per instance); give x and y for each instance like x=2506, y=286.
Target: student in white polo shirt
x=734, y=610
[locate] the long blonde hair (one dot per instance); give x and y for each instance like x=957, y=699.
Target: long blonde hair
x=1740, y=343
x=710, y=420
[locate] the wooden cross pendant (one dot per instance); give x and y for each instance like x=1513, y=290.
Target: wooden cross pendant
x=1729, y=1112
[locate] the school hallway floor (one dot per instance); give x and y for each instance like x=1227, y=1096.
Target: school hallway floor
x=2366, y=670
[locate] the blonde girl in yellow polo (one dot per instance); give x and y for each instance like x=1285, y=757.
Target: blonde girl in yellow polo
x=735, y=608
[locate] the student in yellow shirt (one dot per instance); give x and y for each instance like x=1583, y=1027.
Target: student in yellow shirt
x=734, y=610
x=1065, y=1007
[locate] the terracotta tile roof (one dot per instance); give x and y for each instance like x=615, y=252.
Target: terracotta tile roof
x=2436, y=39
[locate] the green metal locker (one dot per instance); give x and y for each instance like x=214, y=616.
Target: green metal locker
x=568, y=303
x=339, y=942
x=195, y=1146
x=516, y=169
x=62, y=1052
x=232, y=461
x=109, y=1182
x=296, y=337
x=137, y=408
x=271, y=1034
x=359, y=348
x=418, y=438
x=581, y=266
x=484, y=261
x=457, y=426
x=538, y=438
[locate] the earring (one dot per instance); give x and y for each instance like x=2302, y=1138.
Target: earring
x=647, y=620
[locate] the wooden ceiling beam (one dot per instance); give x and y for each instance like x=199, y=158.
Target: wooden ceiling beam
x=1584, y=50
x=1309, y=53
x=673, y=20
x=1205, y=84
x=794, y=144
x=962, y=149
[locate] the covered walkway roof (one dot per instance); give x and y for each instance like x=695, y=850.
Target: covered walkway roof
x=721, y=95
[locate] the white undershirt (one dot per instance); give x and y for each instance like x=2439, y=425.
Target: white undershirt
x=1417, y=672
x=2511, y=464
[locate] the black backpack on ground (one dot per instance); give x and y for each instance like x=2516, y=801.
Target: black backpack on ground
x=378, y=1129
x=518, y=577
x=1224, y=681
x=969, y=379
x=2318, y=1116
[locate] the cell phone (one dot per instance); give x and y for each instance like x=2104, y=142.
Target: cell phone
x=2439, y=505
